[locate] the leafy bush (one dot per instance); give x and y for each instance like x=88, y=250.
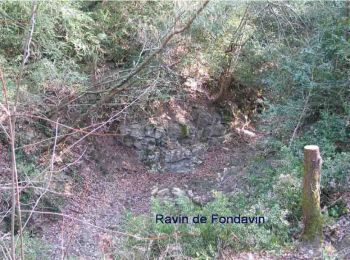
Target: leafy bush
x=331, y=128
x=336, y=172
x=35, y=248
x=206, y=239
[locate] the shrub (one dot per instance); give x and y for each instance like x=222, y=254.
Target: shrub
x=206, y=239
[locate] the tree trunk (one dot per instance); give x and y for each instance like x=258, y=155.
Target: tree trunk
x=347, y=19
x=224, y=84
x=311, y=194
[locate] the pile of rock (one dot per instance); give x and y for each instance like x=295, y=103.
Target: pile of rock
x=172, y=194
x=174, y=146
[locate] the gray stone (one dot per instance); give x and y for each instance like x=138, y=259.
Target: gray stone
x=179, y=166
x=174, y=131
x=138, y=145
x=149, y=131
x=151, y=147
x=215, y=130
x=197, y=161
x=150, y=140
x=197, y=148
x=176, y=146
x=190, y=193
x=177, y=155
x=154, y=191
x=230, y=171
x=163, y=192
x=158, y=133
x=178, y=192
x=134, y=130
x=151, y=158
x=128, y=141
x=218, y=130
x=203, y=120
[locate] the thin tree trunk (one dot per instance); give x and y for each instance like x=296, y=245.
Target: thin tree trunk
x=234, y=50
x=347, y=19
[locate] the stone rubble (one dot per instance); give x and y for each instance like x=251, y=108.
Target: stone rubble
x=176, y=146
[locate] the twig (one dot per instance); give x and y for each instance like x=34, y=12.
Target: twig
x=300, y=118
x=5, y=107
x=50, y=177
x=5, y=250
x=112, y=118
x=158, y=237
x=12, y=125
x=77, y=130
x=26, y=53
x=62, y=240
x=115, y=89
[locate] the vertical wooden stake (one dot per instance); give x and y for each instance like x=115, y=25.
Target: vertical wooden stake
x=311, y=194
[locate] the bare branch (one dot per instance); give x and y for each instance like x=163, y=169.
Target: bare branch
x=26, y=53
x=158, y=237
x=12, y=125
x=50, y=177
x=121, y=85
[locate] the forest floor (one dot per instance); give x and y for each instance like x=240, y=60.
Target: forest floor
x=110, y=181
x=100, y=195
x=113, y=181
x=101, y=199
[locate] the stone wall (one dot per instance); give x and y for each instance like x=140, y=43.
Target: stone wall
x=174, y=145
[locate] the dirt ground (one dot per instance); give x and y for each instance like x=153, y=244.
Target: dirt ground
x=110, y=180
x=124, y=184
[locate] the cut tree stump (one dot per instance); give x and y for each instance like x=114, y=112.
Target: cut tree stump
x=311, y=208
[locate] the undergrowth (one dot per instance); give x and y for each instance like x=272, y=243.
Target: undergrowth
x=272, y=189
x=205, y=240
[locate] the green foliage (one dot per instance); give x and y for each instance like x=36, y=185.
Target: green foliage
x=338, y=209
x=331, y=128
x=26, y=167
x=214, y=30
x=204, y=239
x=61, y=75
x=185, y=131
x=73, y=37
x=336, y=172
x=307, y=88
x=34, y=248
x=277, y=177
x=295, y=50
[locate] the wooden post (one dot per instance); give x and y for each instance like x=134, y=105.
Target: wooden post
x=311, y=194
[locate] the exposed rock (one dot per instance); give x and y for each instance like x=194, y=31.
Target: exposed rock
x=174, y=132
x=149, y=131
x=203, y=120
x=178, y=192
x=163, y=192
x=174, y=146
x=190, y=193
x=177, y=155
x=158, y=133
x=180, y=166
x=154, y=191
x=246, y=133
x=138, y=144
